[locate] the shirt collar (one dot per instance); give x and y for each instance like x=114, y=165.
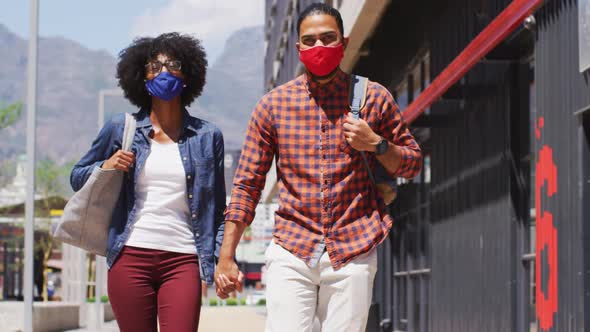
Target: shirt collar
x=337, y=84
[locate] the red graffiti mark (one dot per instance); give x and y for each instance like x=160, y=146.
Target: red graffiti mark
x=546, y=174
x=539, y=126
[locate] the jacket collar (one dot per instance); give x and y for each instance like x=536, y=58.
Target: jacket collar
x=143, y=120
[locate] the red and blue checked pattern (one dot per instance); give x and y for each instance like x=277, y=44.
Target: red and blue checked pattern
x=325, y=195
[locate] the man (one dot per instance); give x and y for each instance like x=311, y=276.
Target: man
x=331, y=218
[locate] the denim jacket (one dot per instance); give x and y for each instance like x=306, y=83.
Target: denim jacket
x=202, y=152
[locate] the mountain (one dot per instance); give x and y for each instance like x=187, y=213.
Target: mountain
x=234, y=85
x=71, y=75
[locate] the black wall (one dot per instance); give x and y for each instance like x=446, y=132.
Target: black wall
x=478, y=201
x=561, y=91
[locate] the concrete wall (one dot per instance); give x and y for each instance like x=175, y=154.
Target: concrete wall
x=49, y=316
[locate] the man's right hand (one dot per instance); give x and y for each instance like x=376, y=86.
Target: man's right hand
x=121, y=160
x=228, y=277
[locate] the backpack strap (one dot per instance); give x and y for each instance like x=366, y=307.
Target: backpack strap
x=357, y=97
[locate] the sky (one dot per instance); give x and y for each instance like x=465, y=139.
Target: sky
x=112, y=24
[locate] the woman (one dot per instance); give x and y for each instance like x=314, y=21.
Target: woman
x=168, y=223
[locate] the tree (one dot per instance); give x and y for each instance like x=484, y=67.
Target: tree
x=10, y=114
x=49, y=182
x=48, y=177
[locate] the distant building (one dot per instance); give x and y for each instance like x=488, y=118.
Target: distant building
x=230, y=163
x=15, y=192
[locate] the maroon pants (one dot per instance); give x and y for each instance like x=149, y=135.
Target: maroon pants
x=145, y=284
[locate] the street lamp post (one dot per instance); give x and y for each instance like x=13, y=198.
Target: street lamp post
x=30, y=199
x=100, y=264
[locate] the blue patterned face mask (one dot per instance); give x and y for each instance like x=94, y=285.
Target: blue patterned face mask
x=165, y=86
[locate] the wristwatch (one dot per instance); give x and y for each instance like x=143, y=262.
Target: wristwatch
x=381, y=147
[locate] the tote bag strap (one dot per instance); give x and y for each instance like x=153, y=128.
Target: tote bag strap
x=128, y=132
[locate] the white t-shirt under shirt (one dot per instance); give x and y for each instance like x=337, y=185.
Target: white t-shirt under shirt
x=162, y=212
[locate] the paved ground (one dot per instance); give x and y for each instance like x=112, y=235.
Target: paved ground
x=216, y=319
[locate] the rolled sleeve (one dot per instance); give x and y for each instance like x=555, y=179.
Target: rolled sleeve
x=395, y=130
x=220, y=190
x=239, y=213
x=411, y=163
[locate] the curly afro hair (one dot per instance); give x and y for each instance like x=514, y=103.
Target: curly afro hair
x=131, y=71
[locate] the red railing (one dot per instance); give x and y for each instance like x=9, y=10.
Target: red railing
x=504, y=24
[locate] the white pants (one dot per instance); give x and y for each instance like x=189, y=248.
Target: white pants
x=296, y=294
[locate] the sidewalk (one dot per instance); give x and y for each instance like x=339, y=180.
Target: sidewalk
x=216, y=319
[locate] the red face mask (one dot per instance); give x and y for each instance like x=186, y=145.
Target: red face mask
x=321, y=60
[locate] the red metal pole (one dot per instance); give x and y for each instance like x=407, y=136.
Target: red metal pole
x=504, y=24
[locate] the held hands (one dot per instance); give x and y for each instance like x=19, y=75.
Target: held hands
x=359, y=135
x=121, y=160
x=228, y=278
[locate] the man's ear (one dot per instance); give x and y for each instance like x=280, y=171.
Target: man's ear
x=345, y=43
x=298, y=46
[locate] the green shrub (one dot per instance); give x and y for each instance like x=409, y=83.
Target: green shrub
x=90, y=300
x=104, y=299
x=213, y=302
x=261, y=302
x=231, y=301
x=242, y=301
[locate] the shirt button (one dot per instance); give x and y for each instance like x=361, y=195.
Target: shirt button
x=325, y=181
x=184, y=158
x=194, y=215
x=179, y=141
x=324, y=156
x=190, y=196
x=188, y=177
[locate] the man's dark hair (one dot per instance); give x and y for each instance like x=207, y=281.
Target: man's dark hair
x=320, y=9
x=131, y=70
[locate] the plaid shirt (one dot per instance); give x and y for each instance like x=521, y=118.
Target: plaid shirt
x=326, y=200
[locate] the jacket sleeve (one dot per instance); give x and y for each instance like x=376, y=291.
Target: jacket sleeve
x=95, y=157
x=219, y=190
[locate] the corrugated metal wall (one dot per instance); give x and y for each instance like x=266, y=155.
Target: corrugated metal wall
x=477, y=203
x=472, y=213
x=562, y=90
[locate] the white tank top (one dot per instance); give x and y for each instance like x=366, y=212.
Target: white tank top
x=161, y=211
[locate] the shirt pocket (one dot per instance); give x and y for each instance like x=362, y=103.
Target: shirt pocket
x=205, y=172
